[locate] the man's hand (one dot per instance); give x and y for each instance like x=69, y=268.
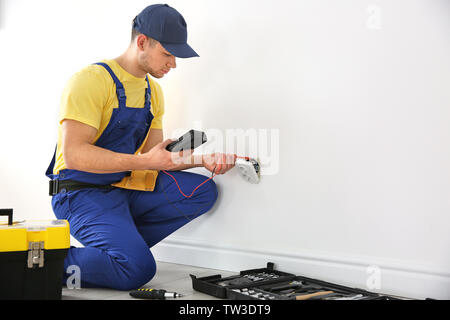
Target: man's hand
x=158, y=158
x=219, y=163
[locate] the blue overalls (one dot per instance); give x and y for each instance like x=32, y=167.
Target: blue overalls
x=118, y=226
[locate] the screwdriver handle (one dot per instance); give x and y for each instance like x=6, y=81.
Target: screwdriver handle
x=149, y=294
x=317, y=294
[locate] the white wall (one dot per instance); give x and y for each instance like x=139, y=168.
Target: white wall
x=357, y=91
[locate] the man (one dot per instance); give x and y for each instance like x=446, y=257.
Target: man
x=106, y=178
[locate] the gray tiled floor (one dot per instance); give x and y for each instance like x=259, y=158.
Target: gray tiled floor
x=169, y=276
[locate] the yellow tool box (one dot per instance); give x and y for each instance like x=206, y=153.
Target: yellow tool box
x=32, y=257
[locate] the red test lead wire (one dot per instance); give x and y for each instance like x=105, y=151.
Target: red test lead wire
x=192, y=193
x=179, y=185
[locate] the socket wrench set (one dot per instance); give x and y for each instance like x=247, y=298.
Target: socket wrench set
x=270, y=284
x=219, y=287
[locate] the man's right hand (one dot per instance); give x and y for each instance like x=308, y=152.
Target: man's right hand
x=80, y=153
x=158, y=158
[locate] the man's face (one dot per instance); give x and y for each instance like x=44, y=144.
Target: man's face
x=153, y=58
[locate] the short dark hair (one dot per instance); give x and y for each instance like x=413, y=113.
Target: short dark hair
x=135, y=33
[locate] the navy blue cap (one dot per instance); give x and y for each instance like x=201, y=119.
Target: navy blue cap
x=166, y=25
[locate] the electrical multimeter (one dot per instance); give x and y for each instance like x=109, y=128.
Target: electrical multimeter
x=188, y=141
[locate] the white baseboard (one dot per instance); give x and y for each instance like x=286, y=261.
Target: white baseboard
x=399, y=278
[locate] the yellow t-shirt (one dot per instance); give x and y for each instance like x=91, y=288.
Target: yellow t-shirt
x=90, y=97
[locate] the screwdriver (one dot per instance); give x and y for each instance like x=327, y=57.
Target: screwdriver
x=317, y=294
x=153, y=294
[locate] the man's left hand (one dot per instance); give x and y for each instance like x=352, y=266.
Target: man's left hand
x=219, y=163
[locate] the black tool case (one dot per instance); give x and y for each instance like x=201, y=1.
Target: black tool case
x=219, y=287
x=281, y=287
x=275, y=291
x=32, y=258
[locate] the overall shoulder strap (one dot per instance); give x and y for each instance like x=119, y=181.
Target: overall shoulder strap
x=148, y=94
x=120, y=90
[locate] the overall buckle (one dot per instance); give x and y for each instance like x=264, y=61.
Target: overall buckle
x=53, y=187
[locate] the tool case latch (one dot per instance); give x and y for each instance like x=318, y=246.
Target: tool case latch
x=35, y=254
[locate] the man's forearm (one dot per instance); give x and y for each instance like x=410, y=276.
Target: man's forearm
x=194, y=161
x=94, y=159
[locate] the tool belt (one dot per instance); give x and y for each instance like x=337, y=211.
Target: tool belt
x=57, y=186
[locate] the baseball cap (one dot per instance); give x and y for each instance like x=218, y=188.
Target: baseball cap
x=166, y=25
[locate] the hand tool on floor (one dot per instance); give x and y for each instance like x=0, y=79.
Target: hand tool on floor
x=299, y=286
x=308, y=296
x=153, y=294
x=235, y=282
x=306, y=289
x=290, y=285
x=355, y=297
x=296, y=292
x=336, y=296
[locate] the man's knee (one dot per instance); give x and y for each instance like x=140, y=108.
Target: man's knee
x=209, y=195
x=203, y=200
x=135, y=273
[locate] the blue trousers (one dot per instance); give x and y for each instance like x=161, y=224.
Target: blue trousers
x=117, y=227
